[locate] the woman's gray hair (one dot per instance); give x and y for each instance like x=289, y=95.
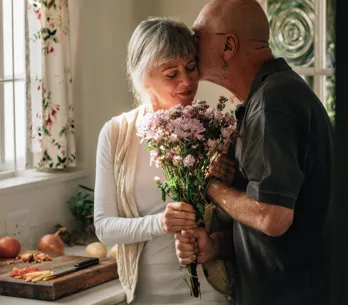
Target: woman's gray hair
x=155, y=41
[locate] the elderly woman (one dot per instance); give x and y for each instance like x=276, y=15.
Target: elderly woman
x=128, y=208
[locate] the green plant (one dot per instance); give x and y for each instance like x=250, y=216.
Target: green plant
x=82, y=204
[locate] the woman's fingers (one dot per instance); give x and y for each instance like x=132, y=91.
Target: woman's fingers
x=178, y=216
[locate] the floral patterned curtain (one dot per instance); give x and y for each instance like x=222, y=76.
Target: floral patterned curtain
x=49, y=97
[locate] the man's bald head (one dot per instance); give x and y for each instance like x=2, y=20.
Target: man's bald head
x=232, y=38
x=244, y=18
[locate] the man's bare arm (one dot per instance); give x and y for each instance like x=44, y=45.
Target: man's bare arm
x=270, y=219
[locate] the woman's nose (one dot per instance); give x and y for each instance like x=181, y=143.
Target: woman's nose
x=186, y=79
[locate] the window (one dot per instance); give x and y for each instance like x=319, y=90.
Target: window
x=12, y=86
x=302, y=31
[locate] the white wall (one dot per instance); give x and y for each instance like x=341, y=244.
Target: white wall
x=100, y=31
x=99, y=35
x=46, y=208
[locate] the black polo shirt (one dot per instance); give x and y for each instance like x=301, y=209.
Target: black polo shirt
x=284, y=158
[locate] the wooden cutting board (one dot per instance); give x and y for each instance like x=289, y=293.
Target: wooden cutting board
x=58, y=287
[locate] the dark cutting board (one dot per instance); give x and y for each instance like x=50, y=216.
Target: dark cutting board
x=60, y=286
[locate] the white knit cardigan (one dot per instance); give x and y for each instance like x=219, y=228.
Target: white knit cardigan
x=124, y=149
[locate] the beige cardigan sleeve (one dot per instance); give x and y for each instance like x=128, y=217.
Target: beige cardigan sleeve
x=124, y=143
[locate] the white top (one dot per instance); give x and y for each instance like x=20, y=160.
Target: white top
x=160, y=281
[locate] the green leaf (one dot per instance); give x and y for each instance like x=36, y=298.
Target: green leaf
x=47, y=133
x=86, y=188
x=164, y=195
x=61, y=160
x=201, y=182
x=51, y=33
x=79, y=204
x=62, y=132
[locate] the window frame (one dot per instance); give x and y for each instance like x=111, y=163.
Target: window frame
x=2, y=104
x=8, y=168
x=319, y=71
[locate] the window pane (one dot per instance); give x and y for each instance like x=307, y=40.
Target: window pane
x=330, y=96
x=9, y=135
x=309, y=80
x=20, y=121
x=292, y=30
x=330, y=34
x=2, y=125
x=19, y=39
x=19, y=50
x=7, y=37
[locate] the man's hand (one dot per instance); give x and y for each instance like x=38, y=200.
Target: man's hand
x=178, y=216
x=192, y=244
x=223, y=168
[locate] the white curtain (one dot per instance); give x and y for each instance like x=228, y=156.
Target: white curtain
x=49, y=97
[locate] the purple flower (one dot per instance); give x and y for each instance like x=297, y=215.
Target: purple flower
x=154, y=153
x=187, y=128
x=210, y=113
x=154, y=156
x=212, y=144
x=158, y=137
x=227, y=131
x=217, y=114
x=173, y=138
x=185, y=135
x=187, y=112
x=189, y=161
x=177, y=160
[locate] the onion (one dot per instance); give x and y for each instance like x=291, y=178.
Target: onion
x=112, y=252
x=52, y=243
x=9, y=247
x=96, y=249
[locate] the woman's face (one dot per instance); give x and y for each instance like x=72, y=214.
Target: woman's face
x=172, y=83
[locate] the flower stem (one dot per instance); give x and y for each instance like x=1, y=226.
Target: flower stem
x=194, y=283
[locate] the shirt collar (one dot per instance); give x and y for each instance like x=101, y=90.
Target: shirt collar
x=268, y=68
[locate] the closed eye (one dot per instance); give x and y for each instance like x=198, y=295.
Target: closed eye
x=191, y=68
x=171, y=75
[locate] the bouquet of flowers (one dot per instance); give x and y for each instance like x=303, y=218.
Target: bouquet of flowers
x=183, y=142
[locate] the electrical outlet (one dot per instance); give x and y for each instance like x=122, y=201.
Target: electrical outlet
x=17, y=225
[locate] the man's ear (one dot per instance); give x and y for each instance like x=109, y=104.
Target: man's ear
x=231, y=46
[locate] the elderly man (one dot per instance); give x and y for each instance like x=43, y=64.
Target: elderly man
x=280, y=194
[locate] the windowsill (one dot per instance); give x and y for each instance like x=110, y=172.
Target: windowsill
x=31, y=178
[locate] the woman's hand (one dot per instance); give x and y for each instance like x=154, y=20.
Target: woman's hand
x=178, y=216
x=223, y=168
